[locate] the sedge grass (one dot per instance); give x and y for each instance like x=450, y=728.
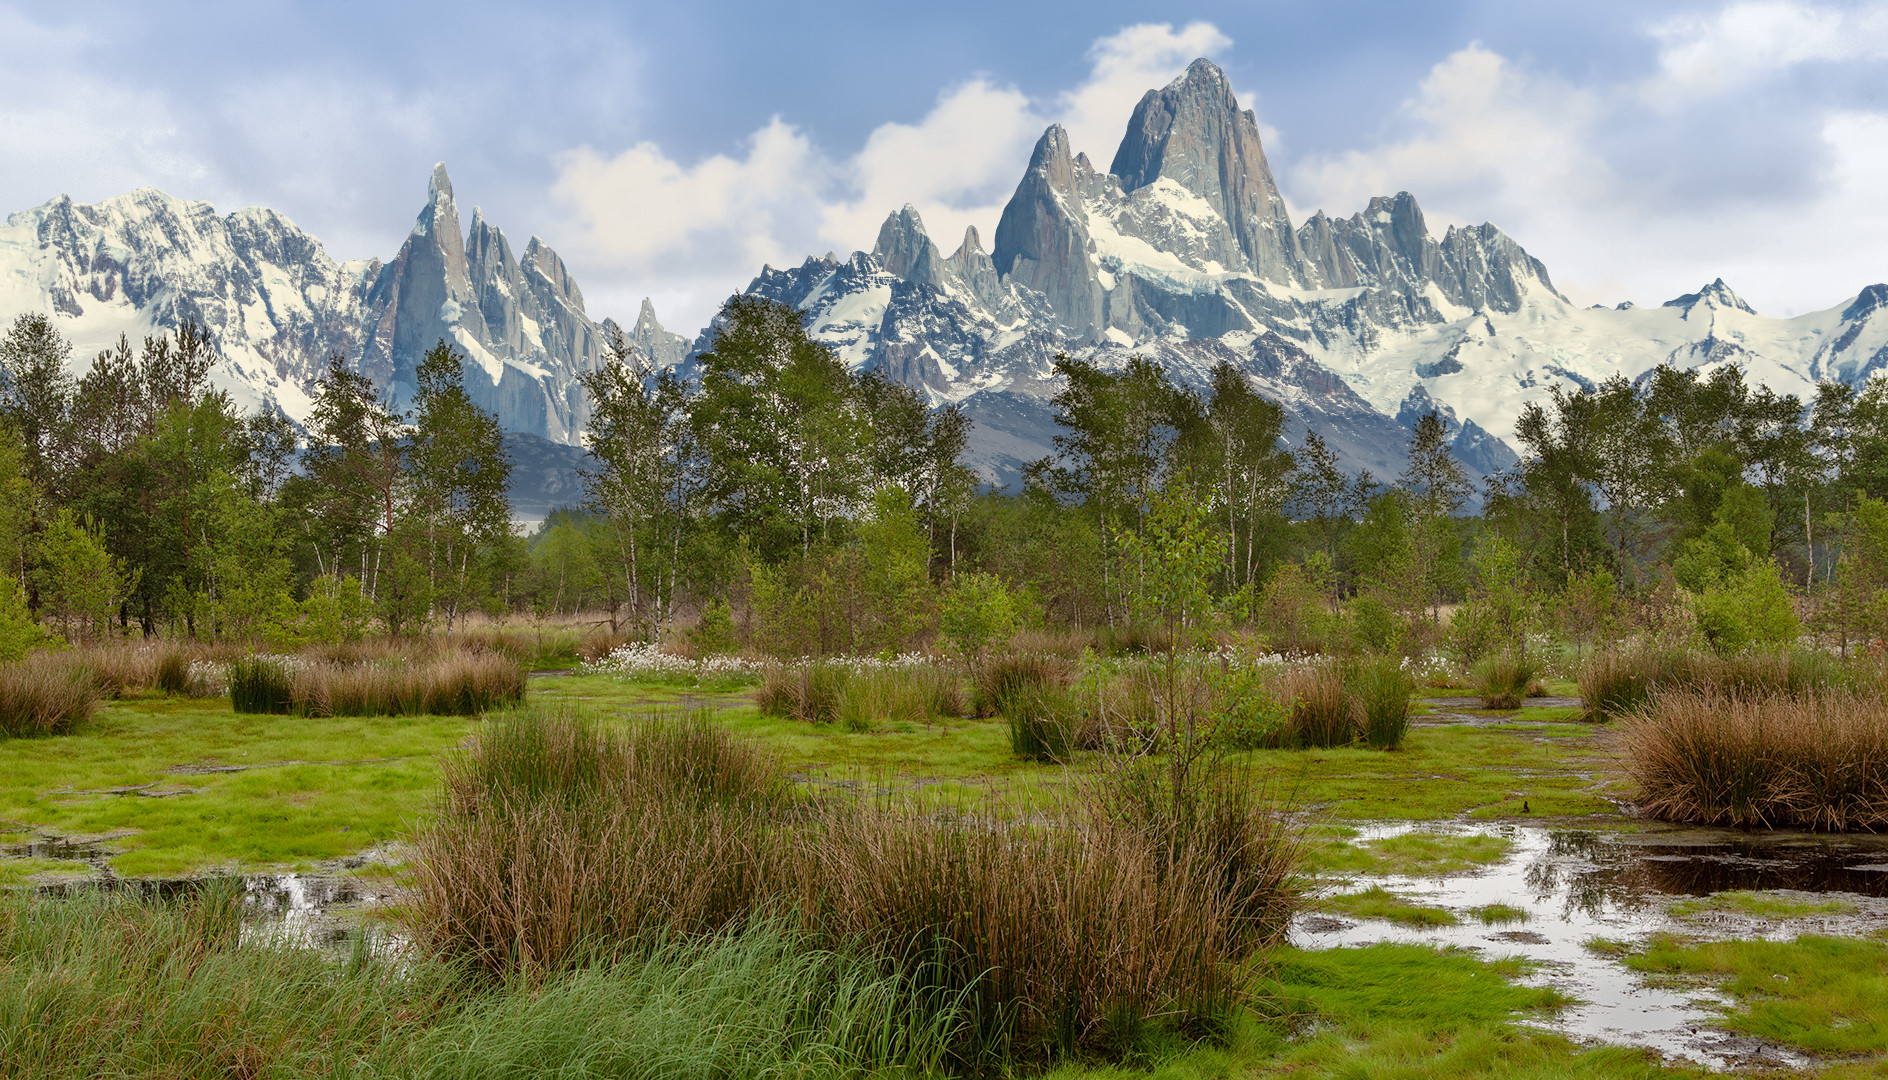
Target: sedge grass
x=602, y=854
x=45, y=694
x=458, y=683
x=105, y=984
x=1817, y=762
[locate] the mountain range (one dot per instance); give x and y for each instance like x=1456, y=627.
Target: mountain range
x=1183, y=250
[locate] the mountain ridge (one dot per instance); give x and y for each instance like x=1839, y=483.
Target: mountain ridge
x=1183, y=250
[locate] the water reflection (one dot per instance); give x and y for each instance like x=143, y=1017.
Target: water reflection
x=1579, y=885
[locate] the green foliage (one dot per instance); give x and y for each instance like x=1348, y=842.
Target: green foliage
x=1501, y=606
x=336, y=609
x=1294, y=607
x=1375, y=627
x=20, y=633
x=977, y=612
x=1174, y=558
x=713, y=632
x=80, y=583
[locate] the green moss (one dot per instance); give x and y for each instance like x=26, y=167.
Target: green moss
x=1822, y=994
x=1377, y=902
x=1760, y=905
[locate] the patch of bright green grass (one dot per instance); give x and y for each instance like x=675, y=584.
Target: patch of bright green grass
x=1377, y=902
x=1397, y=1012
x=1499, y=915
x=1417, y=854
x=303, y=789
x=1762, y=905
x=1826, y=995
x=20, y=871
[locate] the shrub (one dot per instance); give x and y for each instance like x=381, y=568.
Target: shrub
x=1501, y=679
x=1383, y=690
x=994, y=679
x=713, y=632
x=1323, y=711
x=45, y=694
x=978, y=612
x=1815, y=762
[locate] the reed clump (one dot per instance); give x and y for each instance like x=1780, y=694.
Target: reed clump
x=1615, y=682
x=46, y=694
x=560, y=841
x=811, y=691
x=1323, y=710
x=1383, y=691
x=995, y=679
x=446, y=684
x=1502, y=679
x=1816, y=761
x=900, y=693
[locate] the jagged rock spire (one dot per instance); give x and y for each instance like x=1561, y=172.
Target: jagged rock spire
x=1194, y=133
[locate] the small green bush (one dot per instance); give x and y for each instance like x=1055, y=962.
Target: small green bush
x=1041, y=720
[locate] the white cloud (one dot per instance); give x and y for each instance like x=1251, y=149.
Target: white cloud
x=1631, y=189
x=1481, y=136
x=640, y=206
x=1744, y=41
x=687, y=235
x=957, y=166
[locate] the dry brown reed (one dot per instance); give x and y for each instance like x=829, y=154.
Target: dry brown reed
x=560, y=841
x=460, y=683
x=1814, y=761
x=994, y=679
x=1614, y=682
x=46, y=694
x=1323, y=710
x=152, y=666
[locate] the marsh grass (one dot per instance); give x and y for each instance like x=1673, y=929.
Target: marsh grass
x=1827, y=995
x=1043, y=722
x=162, y=667
x=445, y=684
x=115, y=985
x=1501, y=679
x=1324, y=712
x=1813, y=762
x=1615, y=682
x=811, y=691
x=45, y=694
x=904, y=693
x=995, y=679
x=1383, y=690
x=562, y=842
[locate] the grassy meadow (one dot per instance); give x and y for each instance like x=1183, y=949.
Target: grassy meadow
x=589, y=842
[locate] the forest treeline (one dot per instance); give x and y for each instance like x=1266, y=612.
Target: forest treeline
x=775, y=500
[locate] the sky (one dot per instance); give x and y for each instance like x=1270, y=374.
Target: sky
x=669, y=150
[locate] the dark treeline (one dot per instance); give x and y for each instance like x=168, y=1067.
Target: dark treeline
x=780, y=501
